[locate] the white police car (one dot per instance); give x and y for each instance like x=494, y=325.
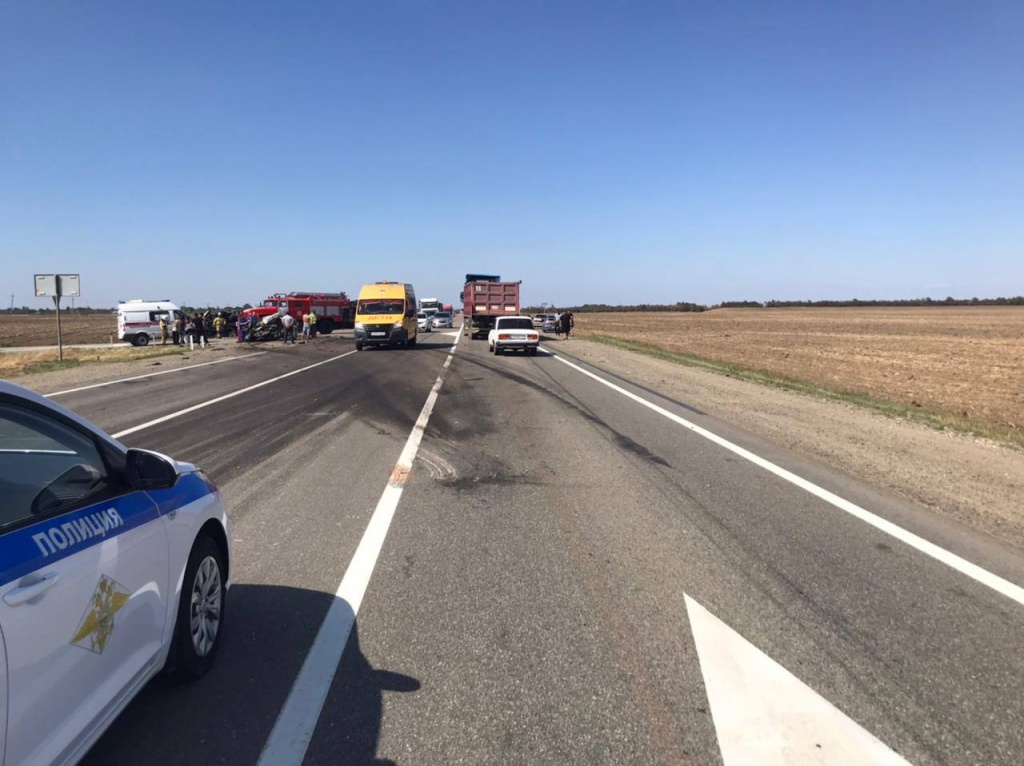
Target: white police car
x=113, y=567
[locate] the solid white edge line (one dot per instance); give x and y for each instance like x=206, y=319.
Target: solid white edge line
x=153, y=374
x=225, y=397
x=965, y=567
x=297, y=721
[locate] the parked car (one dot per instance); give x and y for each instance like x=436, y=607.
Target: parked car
x=424, y=322
x=443, y=319
x=114, y=564
x=550, y=323
x=515, y=333
x=538, y=320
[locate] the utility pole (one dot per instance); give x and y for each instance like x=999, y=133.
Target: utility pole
x=11, y=310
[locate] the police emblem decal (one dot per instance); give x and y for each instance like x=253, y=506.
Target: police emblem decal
x=98, y=621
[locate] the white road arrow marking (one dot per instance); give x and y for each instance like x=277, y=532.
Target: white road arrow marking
x=764, y=714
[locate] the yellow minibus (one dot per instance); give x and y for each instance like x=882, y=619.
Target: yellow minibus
x=386, y=315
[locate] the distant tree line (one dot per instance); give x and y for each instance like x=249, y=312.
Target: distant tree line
x=680, y=306
x=90, y=310
x=605, y=308
x=63, y=310
x=949, y=301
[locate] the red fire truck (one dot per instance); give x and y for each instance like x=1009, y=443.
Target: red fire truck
x=333, y=310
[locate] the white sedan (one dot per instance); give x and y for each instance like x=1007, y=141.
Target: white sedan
x=113, y=567
x=513, y=333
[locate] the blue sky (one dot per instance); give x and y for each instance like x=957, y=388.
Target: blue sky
x=617, y=152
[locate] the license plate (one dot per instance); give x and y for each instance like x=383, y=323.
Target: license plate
x=518, y=337
x=378, y=334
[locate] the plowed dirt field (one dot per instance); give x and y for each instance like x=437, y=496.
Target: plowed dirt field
x=41, y=329
x=964, y=361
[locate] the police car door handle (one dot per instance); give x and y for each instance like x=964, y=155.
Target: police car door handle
x=24, y=593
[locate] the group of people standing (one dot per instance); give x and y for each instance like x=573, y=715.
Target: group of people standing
x=308, y=327
x=197, y=328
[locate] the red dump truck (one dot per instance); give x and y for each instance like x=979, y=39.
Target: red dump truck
x=484, y=299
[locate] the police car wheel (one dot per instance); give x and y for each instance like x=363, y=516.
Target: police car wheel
x=201, y=610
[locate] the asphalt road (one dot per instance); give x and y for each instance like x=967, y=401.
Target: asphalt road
x=569, y=576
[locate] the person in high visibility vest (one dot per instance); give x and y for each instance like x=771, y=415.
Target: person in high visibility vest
x=163, y=331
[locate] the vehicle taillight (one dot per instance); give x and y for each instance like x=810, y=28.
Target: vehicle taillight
x=504, y=336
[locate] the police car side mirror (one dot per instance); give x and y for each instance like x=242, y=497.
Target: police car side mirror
x=148, y=470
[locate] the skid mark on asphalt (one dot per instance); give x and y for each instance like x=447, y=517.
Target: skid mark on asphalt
x=224, y=398
x=153, y=374
x=439, y=468
x=965, y=567
x=297, y=720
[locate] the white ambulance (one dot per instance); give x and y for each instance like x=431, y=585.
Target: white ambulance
x=138, y=321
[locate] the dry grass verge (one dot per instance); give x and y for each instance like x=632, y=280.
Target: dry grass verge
x=15, y=364
x=949, y=367
x=915, y=413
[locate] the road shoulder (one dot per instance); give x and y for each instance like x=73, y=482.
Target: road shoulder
x=974, y=481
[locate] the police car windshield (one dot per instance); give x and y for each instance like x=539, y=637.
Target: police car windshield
x=381, y=306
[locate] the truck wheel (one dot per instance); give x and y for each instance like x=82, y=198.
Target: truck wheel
x=324, y=327
x=142, y=339
x=359, y=346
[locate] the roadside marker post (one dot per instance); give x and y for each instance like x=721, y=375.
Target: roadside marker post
x=57, y=286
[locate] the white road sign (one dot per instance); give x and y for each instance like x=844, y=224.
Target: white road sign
x=69, y=287
x=46, y=285
x=58, y=285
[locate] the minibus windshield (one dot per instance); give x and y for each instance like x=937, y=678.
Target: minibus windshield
x=381, y=306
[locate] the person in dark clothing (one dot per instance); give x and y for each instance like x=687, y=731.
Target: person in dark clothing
x=565, y=320
x=198, y=328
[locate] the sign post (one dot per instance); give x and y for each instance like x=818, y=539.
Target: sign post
x=56, y=286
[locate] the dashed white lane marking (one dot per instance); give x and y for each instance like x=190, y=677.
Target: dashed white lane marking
x=297, y=720
x=965, y=567
x=225, y=397
x=153, y=374
x=765, y=715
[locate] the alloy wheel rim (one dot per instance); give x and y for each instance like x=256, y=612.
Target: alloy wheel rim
x=206, y=606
